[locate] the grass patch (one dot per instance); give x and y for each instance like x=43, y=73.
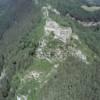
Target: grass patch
x=41, y=65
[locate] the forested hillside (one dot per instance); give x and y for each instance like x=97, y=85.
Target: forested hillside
x=49, y=50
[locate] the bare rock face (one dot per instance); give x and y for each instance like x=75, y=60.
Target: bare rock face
x=61, y=33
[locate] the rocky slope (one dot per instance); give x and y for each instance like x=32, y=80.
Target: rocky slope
x=46, y=55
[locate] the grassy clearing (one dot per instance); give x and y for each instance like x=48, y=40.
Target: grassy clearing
x=23, y=88
x=41, y=65
x=33, y=86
